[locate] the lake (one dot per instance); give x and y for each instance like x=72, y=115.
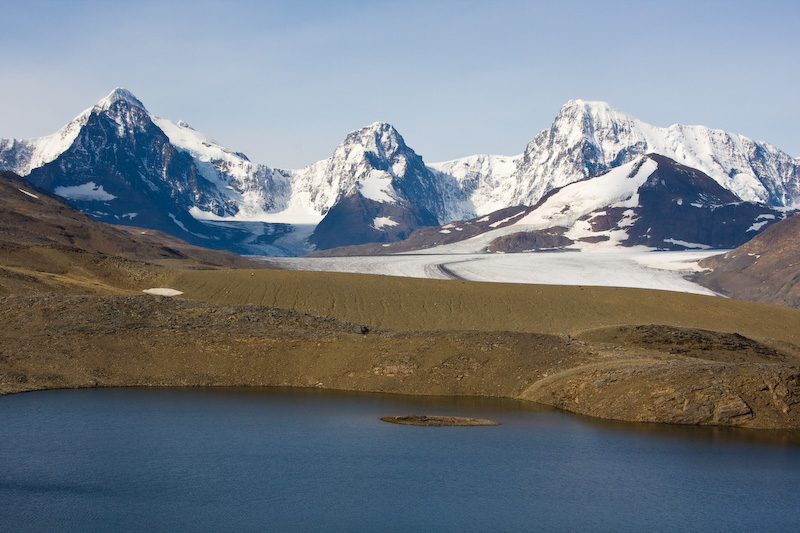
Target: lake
x=307, y=460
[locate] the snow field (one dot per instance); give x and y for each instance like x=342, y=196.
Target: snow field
x=634, y=268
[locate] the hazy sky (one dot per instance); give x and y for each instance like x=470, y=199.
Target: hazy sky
x=285, y=81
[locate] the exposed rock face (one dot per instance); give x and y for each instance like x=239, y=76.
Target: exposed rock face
x=679, y=204
x=546, y=239
x=357, y=220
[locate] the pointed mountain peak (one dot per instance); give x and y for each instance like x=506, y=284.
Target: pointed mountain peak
x=376, y=129
x=380, y=136
x=595, y=110
x=119, y=95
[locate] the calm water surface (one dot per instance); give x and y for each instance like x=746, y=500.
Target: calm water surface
x=273, y=460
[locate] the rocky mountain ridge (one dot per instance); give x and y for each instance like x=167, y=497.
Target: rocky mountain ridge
x=122, y=164
x=651, y=201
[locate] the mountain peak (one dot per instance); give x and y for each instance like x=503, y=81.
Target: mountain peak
x=379, y=137
x=377, y=128
x=597, y=110
x=119, y=95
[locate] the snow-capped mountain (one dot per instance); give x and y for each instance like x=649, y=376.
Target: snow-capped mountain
x=651, y=201
x=375, y=189
x=587, y=138
x=20, y=156
x=119, y=163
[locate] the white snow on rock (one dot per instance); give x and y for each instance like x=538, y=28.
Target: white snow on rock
x=382, y=222
x=485, y=181
x=88, y=191
x=585, y=138
x=764, y=220
x=616, y=188
x=377, y=185
x=501, y=222
x=23, y=155
x=590, y=137
x=685, y=244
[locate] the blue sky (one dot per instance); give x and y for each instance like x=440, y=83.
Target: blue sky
x=284, y=82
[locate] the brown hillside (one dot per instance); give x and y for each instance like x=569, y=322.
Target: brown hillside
x=30, y=216
x=765, y=269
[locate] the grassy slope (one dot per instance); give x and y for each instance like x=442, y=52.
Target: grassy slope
x=429, y=305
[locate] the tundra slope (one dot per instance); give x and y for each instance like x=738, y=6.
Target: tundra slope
x=641, y=373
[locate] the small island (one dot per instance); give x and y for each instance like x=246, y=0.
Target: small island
x=438, y=421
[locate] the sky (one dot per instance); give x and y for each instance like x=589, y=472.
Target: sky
x=285, y=81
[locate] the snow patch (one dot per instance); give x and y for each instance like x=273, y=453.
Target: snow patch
x=184, y=228
x=765, y=218
x=162, y=291
x=377, y=186
x=756, y=226
x=89, y=191
x=499, y=222
x=382, y=222
x=28, y=193
x=688, y=244
x=617, y=188
x=293, y=215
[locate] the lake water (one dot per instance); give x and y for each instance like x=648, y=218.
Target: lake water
x=278, y=460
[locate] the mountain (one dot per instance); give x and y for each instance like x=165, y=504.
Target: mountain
x=651, y=201
x=765, y=269
x=379, y=190
x=587, y=138
x=121, y=164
